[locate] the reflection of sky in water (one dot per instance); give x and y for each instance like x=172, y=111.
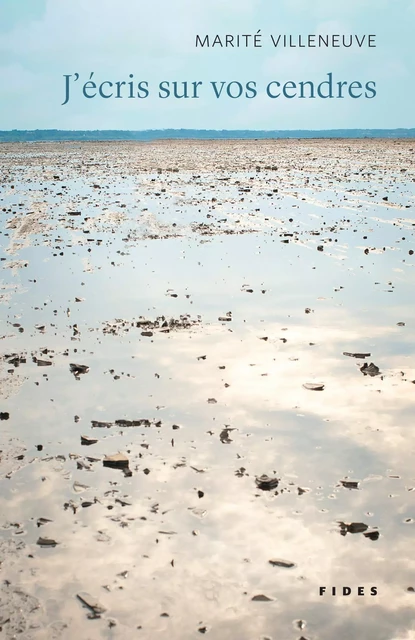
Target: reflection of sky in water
x=359, y=427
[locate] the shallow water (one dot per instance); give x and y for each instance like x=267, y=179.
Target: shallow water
x=295, y=242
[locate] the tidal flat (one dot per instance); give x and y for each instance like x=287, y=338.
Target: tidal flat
x=207, y=390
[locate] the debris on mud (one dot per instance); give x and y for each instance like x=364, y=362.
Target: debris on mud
x=41, y=521
x=116, y=461
x=42, y=363
x=266, y=483
x=370, y=369
x=46, y=542
x=372, y=535
x=92, y=604
x=161, y=324
x=78, y=369
x=140, y=422
x=156, y=229
x=353, y=527
x=86, y=440
x=350, y=484
x=314, y=386
x=101, y=425
x=282, y=563
x=261, y=598
x=224, y=435
x=356, y=355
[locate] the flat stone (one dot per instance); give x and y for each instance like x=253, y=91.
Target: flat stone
x=46, y=542
x=285, y=564
x=116, y=461
x=86, y=440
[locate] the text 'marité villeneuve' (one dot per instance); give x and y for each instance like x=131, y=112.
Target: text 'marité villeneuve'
x=287, y=41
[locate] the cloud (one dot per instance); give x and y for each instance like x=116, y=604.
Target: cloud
x=116, y=39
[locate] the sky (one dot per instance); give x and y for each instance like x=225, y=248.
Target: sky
x=42, y=41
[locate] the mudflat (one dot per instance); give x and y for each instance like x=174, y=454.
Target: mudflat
x=207, y=389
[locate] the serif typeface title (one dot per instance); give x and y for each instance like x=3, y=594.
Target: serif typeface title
x=329, y=88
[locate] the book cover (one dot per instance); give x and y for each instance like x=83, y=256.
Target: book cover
x=207, y=361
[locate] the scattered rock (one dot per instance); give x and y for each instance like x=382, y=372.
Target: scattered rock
x=282, y=563
x=116, y=461
x=91, y=603
x=353, y=527
x=224, y=435
x=265, y=483
x=46, y=542
x=78, y=369
x=78, y=487
x=356, y=355
x=372, y=535
x=43, y=363
x=42, y=521
x=142, y=422
x=101, y=425
x=370, y=369
x=86, y=440
x=350, y=484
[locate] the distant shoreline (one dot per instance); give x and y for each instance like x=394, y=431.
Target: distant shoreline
x=61, y=135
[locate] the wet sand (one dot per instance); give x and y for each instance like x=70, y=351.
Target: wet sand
x=215, y=312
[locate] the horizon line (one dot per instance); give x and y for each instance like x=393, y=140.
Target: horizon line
x=223, y=129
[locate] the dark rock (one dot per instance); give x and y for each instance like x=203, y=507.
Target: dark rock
x=78, y=369
x=86, y=440
x=261, y=598
x=350, y=484
x=224, y=436
x=266, y=483
x=370, y=369
x=46, y=542
x=282, y=563
x=372, y=535
x=42, y=521
x=91, y=603
x=353, y=527
x=356, y=355
x=116, y=461
x=101, y=425
x=43, y=363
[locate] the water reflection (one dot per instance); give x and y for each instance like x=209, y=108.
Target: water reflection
x=190, y=527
